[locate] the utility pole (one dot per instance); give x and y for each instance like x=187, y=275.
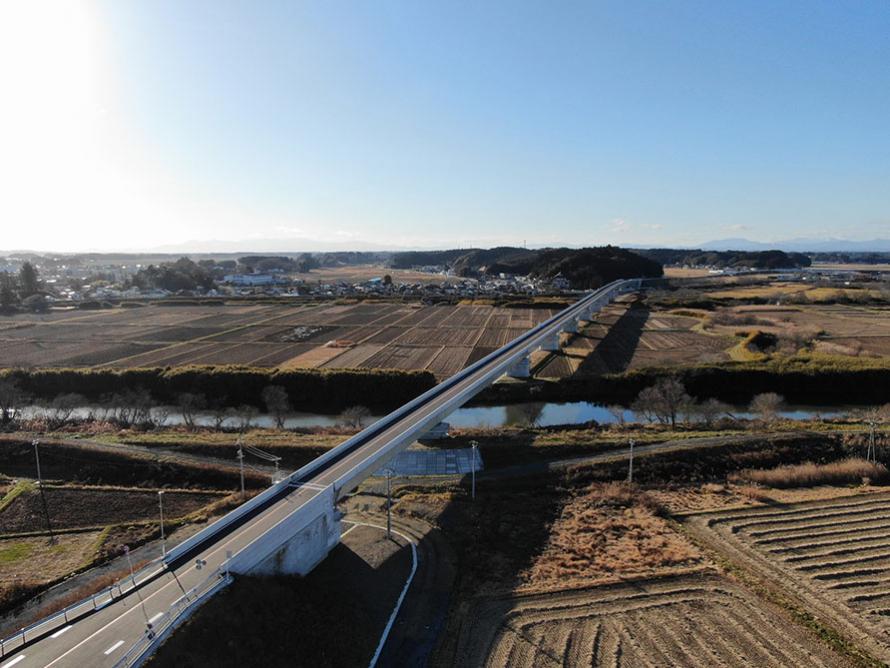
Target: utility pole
x=163, y=538
x=872, y=454
x=630, y=463
x=49, y=528
x=474, y=445
x=389, y=473
x=241, y=461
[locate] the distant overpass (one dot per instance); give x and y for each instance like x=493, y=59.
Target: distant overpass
x=288, y=528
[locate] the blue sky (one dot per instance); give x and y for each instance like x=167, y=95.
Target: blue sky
x=138, y=124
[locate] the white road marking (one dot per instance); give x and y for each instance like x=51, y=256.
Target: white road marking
x=60, y=631
x=155, y=618
x=231, y=538
x=20, y=657
x=113, y=647
x=395, y=612
x=345, y=533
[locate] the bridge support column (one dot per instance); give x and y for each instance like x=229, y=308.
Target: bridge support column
x=571, y=326
x=591, y=312
x=298, y=543
x=437, y=432
x=521, y=369
x=551, y=343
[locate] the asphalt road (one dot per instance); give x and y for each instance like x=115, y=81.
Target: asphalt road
x=101, y=639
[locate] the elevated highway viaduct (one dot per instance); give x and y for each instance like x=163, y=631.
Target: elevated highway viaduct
x=290, y=527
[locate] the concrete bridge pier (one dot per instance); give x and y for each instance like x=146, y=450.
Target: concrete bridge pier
x=571, y=327
x=298, y=543
x=591, y=312
x=551, y=343
x=521, y=369
x=439, y=431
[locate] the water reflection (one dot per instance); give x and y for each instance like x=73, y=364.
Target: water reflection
x=529, y=414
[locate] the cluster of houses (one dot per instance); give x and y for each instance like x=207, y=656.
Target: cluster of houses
x=111, y=282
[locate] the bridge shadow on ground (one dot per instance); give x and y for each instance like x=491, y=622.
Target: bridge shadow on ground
x=616, y=349
x=332, y=617
x=497, y=537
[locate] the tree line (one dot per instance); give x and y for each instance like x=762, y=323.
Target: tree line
x=137, y=409
x=21, y=290
x=326, y=391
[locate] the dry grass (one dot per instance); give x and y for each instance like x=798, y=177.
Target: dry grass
x=610, y=529
x=808, y=474
x=58, y=603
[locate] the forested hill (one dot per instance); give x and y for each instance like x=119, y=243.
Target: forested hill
x=583, y=267
x=771, y=259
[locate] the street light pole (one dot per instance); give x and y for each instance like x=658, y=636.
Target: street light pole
x=389, y=473
x=163, y=537
x=49, y=528
x=474, y=445
x=630, y=464
x=241, y=461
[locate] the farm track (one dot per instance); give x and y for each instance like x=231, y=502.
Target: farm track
x=696, y=620
x=833, y=556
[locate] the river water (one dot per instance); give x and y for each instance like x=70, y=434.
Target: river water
x=538, y=413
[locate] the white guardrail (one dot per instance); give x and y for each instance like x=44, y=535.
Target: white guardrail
x=85, y=606
x=419, y=428
x=183, y=607
x=521, y=344
x=178, y=612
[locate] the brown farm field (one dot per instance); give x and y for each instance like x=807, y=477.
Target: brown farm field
x=630, y=334
x=833, y=554
x=597, y=576
x=690, y=620
x=443, y=339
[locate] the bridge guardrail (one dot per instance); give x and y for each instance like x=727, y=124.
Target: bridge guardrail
x=95, y=602
x=179, y=610
x=420, y=427
x=383, y=423
x=79, y=609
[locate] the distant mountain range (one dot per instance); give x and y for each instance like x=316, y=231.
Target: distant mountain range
x=801, y=245
x=288, y=245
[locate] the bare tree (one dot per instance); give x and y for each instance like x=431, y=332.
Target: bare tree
x=57, y=412
x=277, y=403
x=354, y=416
x=617, y=412
x=245, y=415
x=767, y=406
x=189, y=404
x=130, y=408
x=711, y=410
x=220, y=413
x=645, y=405
x=12, y=400
x=159, y=416
x=662, y=401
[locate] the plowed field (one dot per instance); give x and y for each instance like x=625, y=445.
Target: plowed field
x=689, y=620
x=834, y=554
x=442, y=339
